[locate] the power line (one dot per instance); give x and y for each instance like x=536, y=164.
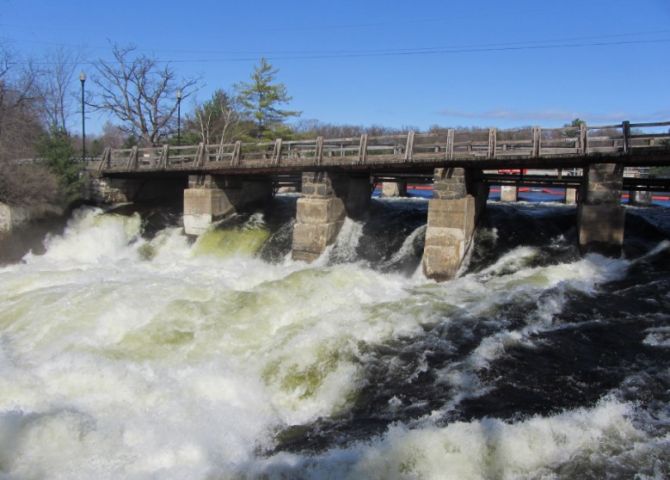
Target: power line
x=372, y=51
x=394, y=53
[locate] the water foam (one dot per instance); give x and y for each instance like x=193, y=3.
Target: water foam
x=146, y=358
x=539, y=447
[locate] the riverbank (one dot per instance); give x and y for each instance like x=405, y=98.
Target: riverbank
x=23, y=229
x=12, y=217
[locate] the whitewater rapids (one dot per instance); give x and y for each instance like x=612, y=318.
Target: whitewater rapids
x=127, y=355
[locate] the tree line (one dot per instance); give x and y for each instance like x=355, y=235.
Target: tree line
x=39, y=100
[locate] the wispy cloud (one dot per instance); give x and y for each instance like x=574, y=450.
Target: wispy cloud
x=551, y=115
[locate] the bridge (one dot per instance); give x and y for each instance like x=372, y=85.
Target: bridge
x=336, y=175
x=557, y=147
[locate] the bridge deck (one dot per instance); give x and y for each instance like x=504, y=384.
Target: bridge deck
x=631, y=144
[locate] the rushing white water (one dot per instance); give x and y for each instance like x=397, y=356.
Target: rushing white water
x=485, y=449
x=407, y=247
x=122, y=357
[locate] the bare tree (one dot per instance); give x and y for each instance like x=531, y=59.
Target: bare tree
x=20, y=124
x=140, y=93
x=20, y=131
x=218, y=119
x=112, y=136
x=27, y=184
x=55, y=87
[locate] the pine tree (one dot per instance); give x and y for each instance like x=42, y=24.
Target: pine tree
x=58, y=153
x=261, y=99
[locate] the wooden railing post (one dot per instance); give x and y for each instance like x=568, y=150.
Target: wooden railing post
x=105, y=160
x=235, y=161
x=450, y=144
x=409, y=146
x=219, y=151
x=583, y=139
x=132, y=159
x=363, y=149
x=162, y=159
x=200, y=155
x=492, y=143
x=276, y=153
x=318, y=157
x=537, y=142
x=626, y=136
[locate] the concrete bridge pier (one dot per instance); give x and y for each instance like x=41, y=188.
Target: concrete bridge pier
x=458, y=201
x=394, y=189
x=327, y=200
x=210, y=198
x=600, y=216
x=508, y=193
x=640, y=198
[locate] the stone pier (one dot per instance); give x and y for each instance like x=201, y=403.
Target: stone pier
x=327, y=200
x=210, y=198
x=106, y=190
x=600, y=216
x=111, y=190
x=458, y=200
x=394, y=189
x=640, y=198
x=570, y=196
x=508, y=193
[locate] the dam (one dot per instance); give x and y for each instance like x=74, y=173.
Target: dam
x=336, y=178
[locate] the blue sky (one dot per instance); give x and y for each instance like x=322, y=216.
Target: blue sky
x=475, y=62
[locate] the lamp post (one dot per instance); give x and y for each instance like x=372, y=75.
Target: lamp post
x=82, y=79
x=179, y=117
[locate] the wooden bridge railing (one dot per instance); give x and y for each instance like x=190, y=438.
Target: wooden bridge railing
x=448, y=144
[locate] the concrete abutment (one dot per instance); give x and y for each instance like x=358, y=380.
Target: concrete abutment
x=110, y=190
x=458, y=201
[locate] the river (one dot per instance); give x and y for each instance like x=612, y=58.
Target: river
x=128, y=350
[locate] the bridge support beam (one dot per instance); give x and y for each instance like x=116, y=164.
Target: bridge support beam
x=394, y=189
x=600, y=216
x=327, y=200
x=508, y=193
x=210, y=198
x=453, y=212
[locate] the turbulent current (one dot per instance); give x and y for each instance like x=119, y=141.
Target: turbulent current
x=128, y=350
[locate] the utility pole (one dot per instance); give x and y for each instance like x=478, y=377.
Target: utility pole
x=179, y=117
x=82, y=79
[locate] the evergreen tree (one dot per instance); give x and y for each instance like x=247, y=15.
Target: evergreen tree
x=57, y=151
x=262, y=98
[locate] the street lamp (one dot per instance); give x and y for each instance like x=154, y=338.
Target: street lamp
x=82, y=79
x=179, y=116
